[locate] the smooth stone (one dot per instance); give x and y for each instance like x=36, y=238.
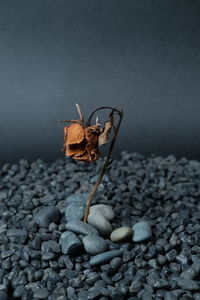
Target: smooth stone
x=103, y=209
x=100, y=223
x=81, y=227
x=94, y=244
x=121, y=234
x=141, y=231
x=70, y=243
x=105, y=257
x=47, y=215
x=75, y=206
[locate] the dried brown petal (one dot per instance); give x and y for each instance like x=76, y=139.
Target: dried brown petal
x=104, y=136
x=75, y=134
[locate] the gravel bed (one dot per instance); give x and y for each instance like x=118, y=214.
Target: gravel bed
x=43, y=258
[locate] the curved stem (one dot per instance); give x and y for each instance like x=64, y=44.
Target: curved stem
x=107, y=162
x=102, y=107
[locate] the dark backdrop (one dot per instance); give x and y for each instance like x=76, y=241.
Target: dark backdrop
x=143, y=55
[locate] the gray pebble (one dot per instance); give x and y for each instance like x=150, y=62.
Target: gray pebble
x=75, y=206
x=94, y=244
x=141, y=231
x=121, y=234
x=50, y=246
x=47, y=215
x=103, y=209
x=188, y=284
x=3, y=295
x=17, y=235
x=41, y=293
x=99, y=221
x=70, y=243
x=18, y=292
x=81, y=227
x=105, y=257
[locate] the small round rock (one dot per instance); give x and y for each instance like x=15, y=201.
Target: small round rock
x=94, y=244
x=121, y=234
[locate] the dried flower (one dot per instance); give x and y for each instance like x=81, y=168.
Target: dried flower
x=81, y=142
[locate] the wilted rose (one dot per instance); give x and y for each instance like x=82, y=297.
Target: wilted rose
x=81, y=142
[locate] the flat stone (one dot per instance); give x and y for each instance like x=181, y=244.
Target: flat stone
x=75, y=206
x=47, y=215
x=99, y=221
x=141, y=231
x=70, y=243
x=103, y=209
x=81, y=227
x=94, y=244
x=121, y=234
x=105, y=257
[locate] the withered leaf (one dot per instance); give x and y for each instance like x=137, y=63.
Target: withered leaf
x=104, y=136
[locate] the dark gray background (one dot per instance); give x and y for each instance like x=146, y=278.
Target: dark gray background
x=143, y=55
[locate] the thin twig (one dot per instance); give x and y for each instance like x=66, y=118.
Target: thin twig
x=106, y=163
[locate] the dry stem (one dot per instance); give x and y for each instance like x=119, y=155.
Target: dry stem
x=108, y=160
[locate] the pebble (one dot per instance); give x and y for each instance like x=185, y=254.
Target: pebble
x=99, y=222
x=47, y=215
x=121, y=234
x=3, y=295
x=141, y=231
x=162, y=192
x=94, y=244
x=105, y=257
x=41, y=293
x=75, y=206
x=17, y=235
x=70, y=243
x=81, y=227
x=188, y=284
x=18, y=292
x=103, y=209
